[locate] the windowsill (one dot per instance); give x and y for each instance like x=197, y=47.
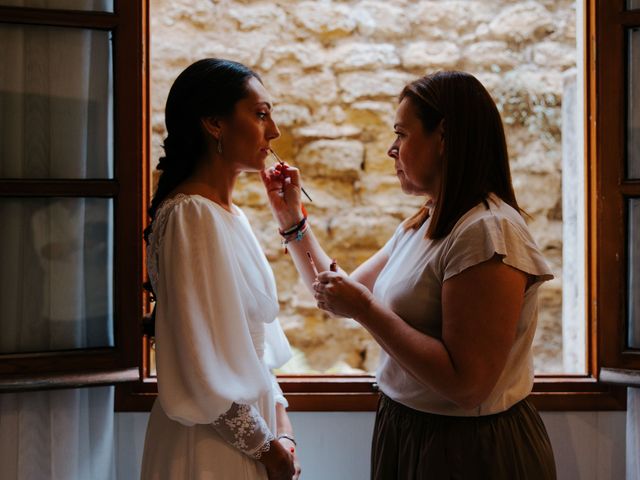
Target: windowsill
x=360, y=393
x=50, y=381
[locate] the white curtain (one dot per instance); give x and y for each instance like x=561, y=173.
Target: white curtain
x=62, y=434
x=633, y=394
x=56, y=254
x=633, y=434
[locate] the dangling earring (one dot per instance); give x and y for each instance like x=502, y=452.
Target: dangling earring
x=220, y=145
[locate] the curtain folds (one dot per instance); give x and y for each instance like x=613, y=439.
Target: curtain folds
x=61, y=435
x=56, y=253
x=633, y=434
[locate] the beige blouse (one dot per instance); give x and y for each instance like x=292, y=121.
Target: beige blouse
x=411, y=285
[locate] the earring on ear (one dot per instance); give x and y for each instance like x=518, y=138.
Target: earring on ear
x=220, y=145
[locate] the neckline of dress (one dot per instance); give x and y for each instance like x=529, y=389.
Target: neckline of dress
x=219, y=207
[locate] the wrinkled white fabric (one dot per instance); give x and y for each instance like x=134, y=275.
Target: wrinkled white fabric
x=217, y=337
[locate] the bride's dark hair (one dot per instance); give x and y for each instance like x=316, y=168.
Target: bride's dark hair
x=207, y=88
x=210, y=87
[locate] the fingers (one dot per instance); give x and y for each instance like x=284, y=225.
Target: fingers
x=271, y=179
x=328, y=276
x=287, y=172
x=292, y=173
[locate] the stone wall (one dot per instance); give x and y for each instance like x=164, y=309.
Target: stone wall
x=335, y=69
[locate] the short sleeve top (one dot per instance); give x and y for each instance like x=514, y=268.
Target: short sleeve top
x=411, y=283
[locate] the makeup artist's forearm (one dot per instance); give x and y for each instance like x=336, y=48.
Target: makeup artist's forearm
x=425, y=357
x=298, y=251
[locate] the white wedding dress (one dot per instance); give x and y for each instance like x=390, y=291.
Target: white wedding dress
x=217, y=337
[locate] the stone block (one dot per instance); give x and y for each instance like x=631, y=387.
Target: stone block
x=554, y=55
x=381, y=19
x=306, y=54
x=535, y=158
x=361, y=227
x=326, y=130
x=438, y=55
x=356, y=56
x=537, y=193
x=332, y=158
x=368, y=85
x=491, y=54
x=522, y=21
x=260, y=16
x=325, y=19
x=450, y=16
x=310, y=88
x=290, y=115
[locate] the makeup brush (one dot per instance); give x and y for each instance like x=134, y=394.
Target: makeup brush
x=313, y=264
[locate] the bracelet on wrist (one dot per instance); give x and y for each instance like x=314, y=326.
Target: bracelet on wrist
x=296, y=236
x=294, y=228
x=295, y=232
x=288, y=437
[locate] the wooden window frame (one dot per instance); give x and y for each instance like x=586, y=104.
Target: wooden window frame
x=617, y=363
x=604, y=23
x=98, y=366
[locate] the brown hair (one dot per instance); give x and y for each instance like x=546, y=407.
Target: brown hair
x=476, y=162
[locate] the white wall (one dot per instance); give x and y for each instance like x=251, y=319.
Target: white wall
x=587, y=445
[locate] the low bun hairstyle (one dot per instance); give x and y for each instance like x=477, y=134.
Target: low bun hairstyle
x=207, y=88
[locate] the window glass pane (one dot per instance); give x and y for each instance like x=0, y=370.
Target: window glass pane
x=92, y=5
x=336, y=100
x=55, y=103
x=633, y=105
x=633, y=4
x=634, y=273
x=56, y=281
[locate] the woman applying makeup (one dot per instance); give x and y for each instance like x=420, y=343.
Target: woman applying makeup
x=220, y=413
x=451, y=297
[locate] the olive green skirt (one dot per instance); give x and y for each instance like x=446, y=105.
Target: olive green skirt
x=411, y=445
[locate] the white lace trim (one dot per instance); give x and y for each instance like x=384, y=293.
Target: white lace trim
x=245, y=429
x=157, y=232
x=263, y=449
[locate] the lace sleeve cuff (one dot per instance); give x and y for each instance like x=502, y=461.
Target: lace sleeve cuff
x=244, y=428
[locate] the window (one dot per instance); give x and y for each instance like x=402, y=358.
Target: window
x=104, y=207
x=72, y=128
x=615, y=186
x=303, y=119
x=348, y=61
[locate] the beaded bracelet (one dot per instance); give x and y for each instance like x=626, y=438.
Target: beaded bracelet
x=297, y=236
x=294, y=233
x=295, y=228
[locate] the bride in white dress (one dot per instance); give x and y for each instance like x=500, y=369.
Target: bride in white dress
x=220, y=413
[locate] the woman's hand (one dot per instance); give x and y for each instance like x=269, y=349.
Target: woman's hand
x=278, y=462
x=289, y=445
x=282, y=183
x=338, y=294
